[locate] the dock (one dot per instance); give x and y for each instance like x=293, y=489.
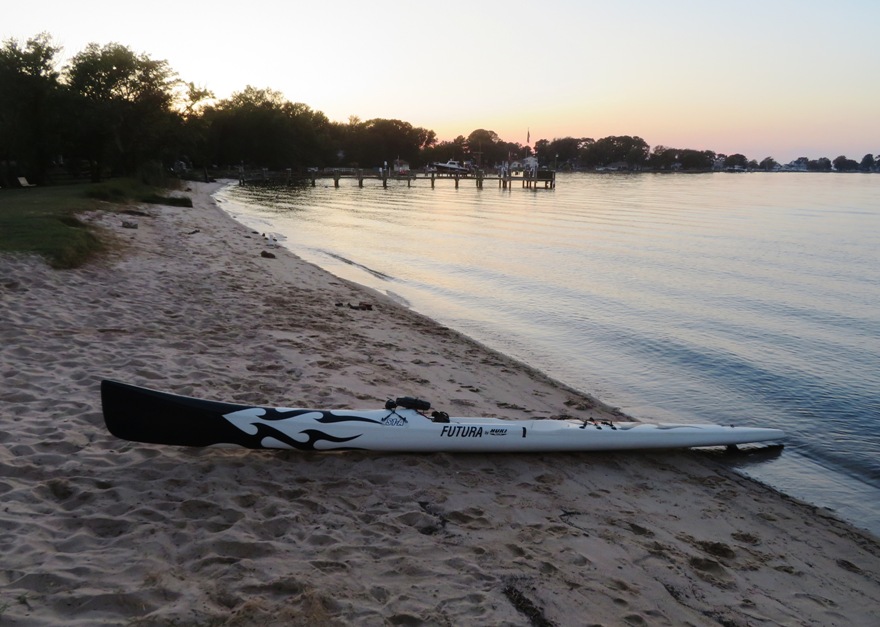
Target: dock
x=542, y=179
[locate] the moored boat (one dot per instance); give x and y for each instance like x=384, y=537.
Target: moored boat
x=451, y=167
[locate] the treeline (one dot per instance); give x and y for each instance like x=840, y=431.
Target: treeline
x=633, y=153
x=110, y=111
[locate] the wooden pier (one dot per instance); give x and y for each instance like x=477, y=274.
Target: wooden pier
x=543, y=179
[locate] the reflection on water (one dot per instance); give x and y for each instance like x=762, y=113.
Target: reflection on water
x=748, y=299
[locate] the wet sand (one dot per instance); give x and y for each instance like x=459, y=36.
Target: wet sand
x=95, y=530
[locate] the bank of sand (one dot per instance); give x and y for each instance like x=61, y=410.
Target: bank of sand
x=94, y=530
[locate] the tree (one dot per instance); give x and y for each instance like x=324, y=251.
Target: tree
x=664, y=158
x=427, y=137
x=823, y=164
x=563, y=151
x=347, y=138
x=483, y=147
x=389, y=139
x=768, y=163
x=30, y=122
x=124, y=103
x=260, y=128
x=842, y=164
x=192, y=99
x=191, y=103
x=867, y=163
x=736, y=160
x=696, y=160
x=633, y=150
x=380, y=140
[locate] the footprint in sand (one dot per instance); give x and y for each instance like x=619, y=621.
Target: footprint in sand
x=711, y=571
x=472, y=517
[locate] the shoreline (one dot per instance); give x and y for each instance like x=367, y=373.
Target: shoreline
x=100, y=531
x=577, y=346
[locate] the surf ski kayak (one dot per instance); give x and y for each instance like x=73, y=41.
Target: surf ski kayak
x=143, y=415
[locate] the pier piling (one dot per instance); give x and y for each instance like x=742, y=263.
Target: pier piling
x=529, y=180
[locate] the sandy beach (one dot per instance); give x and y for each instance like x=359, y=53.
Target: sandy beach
x=99, y=531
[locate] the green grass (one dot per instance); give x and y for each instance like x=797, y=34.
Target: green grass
x=130, y=190
x=43, y=220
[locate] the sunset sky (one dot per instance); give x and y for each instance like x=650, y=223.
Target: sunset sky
x=780, y=78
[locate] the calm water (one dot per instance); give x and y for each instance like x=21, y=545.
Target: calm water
x=729, y=298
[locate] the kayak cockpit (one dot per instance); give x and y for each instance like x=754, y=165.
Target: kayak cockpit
x=417, y=406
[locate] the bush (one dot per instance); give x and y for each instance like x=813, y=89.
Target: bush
x=174, y=201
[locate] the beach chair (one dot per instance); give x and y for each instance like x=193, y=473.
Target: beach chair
x=24, y=182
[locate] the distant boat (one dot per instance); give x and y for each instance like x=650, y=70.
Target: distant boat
x=451, y=167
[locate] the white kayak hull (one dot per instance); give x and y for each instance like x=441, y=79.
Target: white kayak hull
x=139, y=414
